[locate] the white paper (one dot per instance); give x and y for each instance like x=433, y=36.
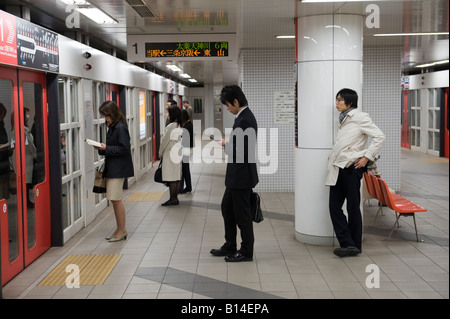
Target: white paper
x=93, y=143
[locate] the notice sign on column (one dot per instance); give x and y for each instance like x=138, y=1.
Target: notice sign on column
x=284, y=107
x=8, y=44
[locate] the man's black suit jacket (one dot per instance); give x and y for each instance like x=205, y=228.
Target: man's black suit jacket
x=241, y=150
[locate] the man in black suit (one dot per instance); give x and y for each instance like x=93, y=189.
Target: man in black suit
x=240, y=178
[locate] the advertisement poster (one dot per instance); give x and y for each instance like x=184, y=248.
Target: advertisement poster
x=8, y=44
x=23, y=43
x=142, y=115
x=37, y=48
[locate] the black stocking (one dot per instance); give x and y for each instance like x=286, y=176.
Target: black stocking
x=174, y=188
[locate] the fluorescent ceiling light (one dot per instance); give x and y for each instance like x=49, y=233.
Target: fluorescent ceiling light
x=312, y=1
x=185, y=75
x=426, y=65
x=97, y=15
x=408, y=34
x=285, y=36
x=173, y=67
x=76, y=2
x=193, y=80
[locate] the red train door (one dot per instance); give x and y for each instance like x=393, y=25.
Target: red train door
x=446, y=123
x=112, y=93
x=25, y=187
x=155, y=126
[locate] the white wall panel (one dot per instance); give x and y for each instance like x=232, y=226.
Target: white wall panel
x=106, y=68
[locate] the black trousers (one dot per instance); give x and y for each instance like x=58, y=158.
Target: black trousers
x=236, y=212
x=348, y=232
x=185, y=175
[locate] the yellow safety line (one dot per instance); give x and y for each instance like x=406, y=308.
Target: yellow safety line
x=92, y=270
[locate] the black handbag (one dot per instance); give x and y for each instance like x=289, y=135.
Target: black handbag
x=99, y=181
x=255, y=204
x=158, y=173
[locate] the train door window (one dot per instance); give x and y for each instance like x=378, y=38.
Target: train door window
x=66, y=217
x=99, y=96
x=34, y=153
x=131, y=120
x=130, y=113
x=149, y=122
x=415, y=118
x=7, y=156
x=99, y=126
x=62, y=99
x=77, y=199
x=71, y=165
x=433, y=123
x=73, y=84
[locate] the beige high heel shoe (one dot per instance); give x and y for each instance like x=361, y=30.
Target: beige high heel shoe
x=114, y=239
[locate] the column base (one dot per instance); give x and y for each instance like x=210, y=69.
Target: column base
x=316, y=240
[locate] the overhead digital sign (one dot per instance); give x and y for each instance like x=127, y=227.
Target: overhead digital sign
x=186, y=49
x=143, y=48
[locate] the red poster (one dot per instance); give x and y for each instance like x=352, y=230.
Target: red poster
x=8, y=43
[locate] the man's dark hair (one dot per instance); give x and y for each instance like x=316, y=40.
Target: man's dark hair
x=231, y=92
x=173, y=102
x=350, y=97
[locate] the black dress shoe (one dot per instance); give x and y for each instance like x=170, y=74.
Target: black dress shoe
x=347, y=251
x=222, y=252
x=171, y=202
x=237, y=257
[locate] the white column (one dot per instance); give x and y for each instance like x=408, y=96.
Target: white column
x=329, y=58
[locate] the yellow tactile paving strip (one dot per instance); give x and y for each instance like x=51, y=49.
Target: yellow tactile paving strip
x=145, y=197
x=435, y=160
x=92, y=270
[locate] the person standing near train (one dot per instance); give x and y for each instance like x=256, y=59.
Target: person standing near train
x=346, y=165
x=118, y=163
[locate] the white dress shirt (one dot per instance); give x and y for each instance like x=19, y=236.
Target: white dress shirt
x=351, y=141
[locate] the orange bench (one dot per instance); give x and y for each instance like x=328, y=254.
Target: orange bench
x=372, y=192
x=374, y=184
x=400, y=205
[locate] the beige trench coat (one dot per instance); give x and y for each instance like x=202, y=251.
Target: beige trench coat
x=170, y=153
x=351, y=142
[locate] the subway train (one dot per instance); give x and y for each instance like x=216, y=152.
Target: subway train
x=50, y=95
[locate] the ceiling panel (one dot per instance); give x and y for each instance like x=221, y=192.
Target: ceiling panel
x=256, y=23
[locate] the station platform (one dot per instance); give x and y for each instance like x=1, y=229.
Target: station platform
x=166, y=254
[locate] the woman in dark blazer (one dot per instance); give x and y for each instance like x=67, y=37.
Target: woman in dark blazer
x=118, y=163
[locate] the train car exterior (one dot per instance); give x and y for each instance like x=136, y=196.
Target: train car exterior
x=50, y=96
x=424, y=110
